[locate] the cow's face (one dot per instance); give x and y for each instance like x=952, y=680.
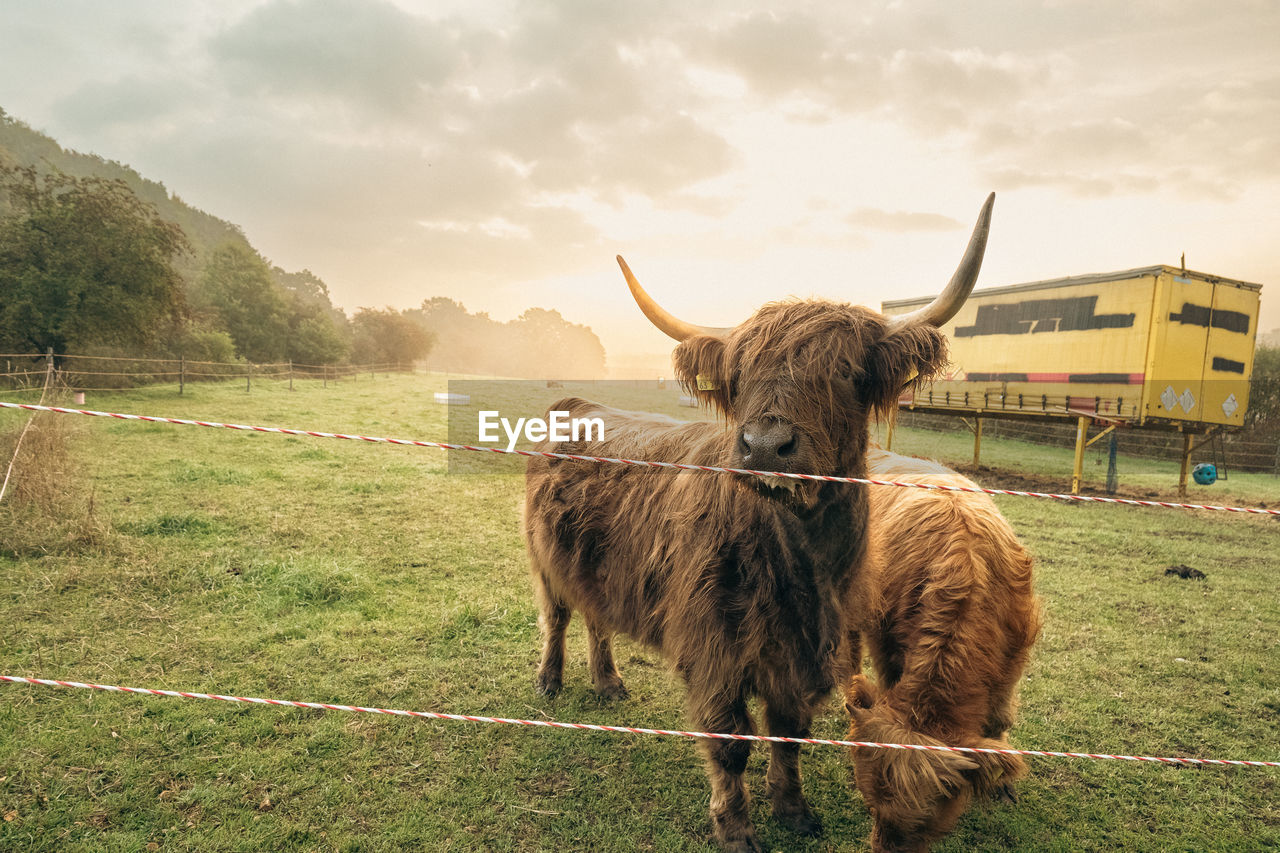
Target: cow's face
x=915, y=797
x=799, y=380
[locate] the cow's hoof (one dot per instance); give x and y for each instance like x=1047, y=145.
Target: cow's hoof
x=801, y=823
x=613, y=691
x=744, y=845
x=1005, y=794
x=736, y=834
x=547, y=685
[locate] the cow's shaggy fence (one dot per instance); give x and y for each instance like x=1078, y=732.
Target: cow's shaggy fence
x=574, y=457
x=595, y=727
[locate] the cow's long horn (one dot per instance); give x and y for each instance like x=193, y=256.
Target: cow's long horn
x=947, y=303
x=671, y=325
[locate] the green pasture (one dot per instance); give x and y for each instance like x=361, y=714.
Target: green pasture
x=310, y=569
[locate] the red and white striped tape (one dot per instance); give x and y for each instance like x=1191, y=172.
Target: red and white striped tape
x=640, y=462
x=552, y=724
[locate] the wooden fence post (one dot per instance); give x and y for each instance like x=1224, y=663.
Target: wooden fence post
x=182, y=374
x=248, y=378
x=1186, y=465
x=977, y=440
x=290, y=374
x=1113, y=475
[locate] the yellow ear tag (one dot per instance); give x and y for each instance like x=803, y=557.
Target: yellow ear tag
x=911, y=378
x=706, y=383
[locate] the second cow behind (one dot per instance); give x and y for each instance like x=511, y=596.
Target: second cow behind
x=947, y=613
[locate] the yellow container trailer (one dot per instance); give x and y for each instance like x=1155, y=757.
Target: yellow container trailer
x=1158, y=347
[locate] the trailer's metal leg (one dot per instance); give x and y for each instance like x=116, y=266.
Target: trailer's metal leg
x=1077, y=472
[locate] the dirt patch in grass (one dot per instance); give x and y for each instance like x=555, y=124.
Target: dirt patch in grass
x=990, y=477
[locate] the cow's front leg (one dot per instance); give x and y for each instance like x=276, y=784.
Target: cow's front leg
x=789, y=806
x=604, y=672
x=553, y=619
x=726, y=762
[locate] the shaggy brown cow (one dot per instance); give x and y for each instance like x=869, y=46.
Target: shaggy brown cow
x=738, y=580
x=947, y=613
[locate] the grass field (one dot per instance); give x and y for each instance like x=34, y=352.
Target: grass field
x=298, y=568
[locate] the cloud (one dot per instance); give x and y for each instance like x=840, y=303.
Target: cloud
x=464, y=146
x=776, y=55
x=901, y=221
x=794, y=57
x=367, y=131
x=656, y=156
x=1065, y=98
x=130, y=102
x=369, y=57
x=1081, y=185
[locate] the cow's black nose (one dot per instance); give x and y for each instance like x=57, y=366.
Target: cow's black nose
x=767, y=444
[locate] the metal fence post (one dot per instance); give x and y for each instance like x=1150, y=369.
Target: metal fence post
x=1077, y=471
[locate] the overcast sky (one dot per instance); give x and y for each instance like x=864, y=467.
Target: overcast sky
x=502, y=153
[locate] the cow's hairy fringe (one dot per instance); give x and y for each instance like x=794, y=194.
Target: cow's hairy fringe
x=799, y=381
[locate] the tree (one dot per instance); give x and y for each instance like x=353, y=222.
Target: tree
x=197, y=342
x=540, y=343
x=319, y=333
x=83, y=261
x=238, y=287
x=314, y=338
x=388, y=336
x=1264, y=389
x=556, y=348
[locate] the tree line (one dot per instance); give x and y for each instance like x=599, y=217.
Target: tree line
x=89, y=267
x=538, y=344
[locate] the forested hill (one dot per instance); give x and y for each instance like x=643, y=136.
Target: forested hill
x=21, y=145
x=97, y=260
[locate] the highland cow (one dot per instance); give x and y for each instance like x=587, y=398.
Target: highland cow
x=739, y=580
x=946, y=611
